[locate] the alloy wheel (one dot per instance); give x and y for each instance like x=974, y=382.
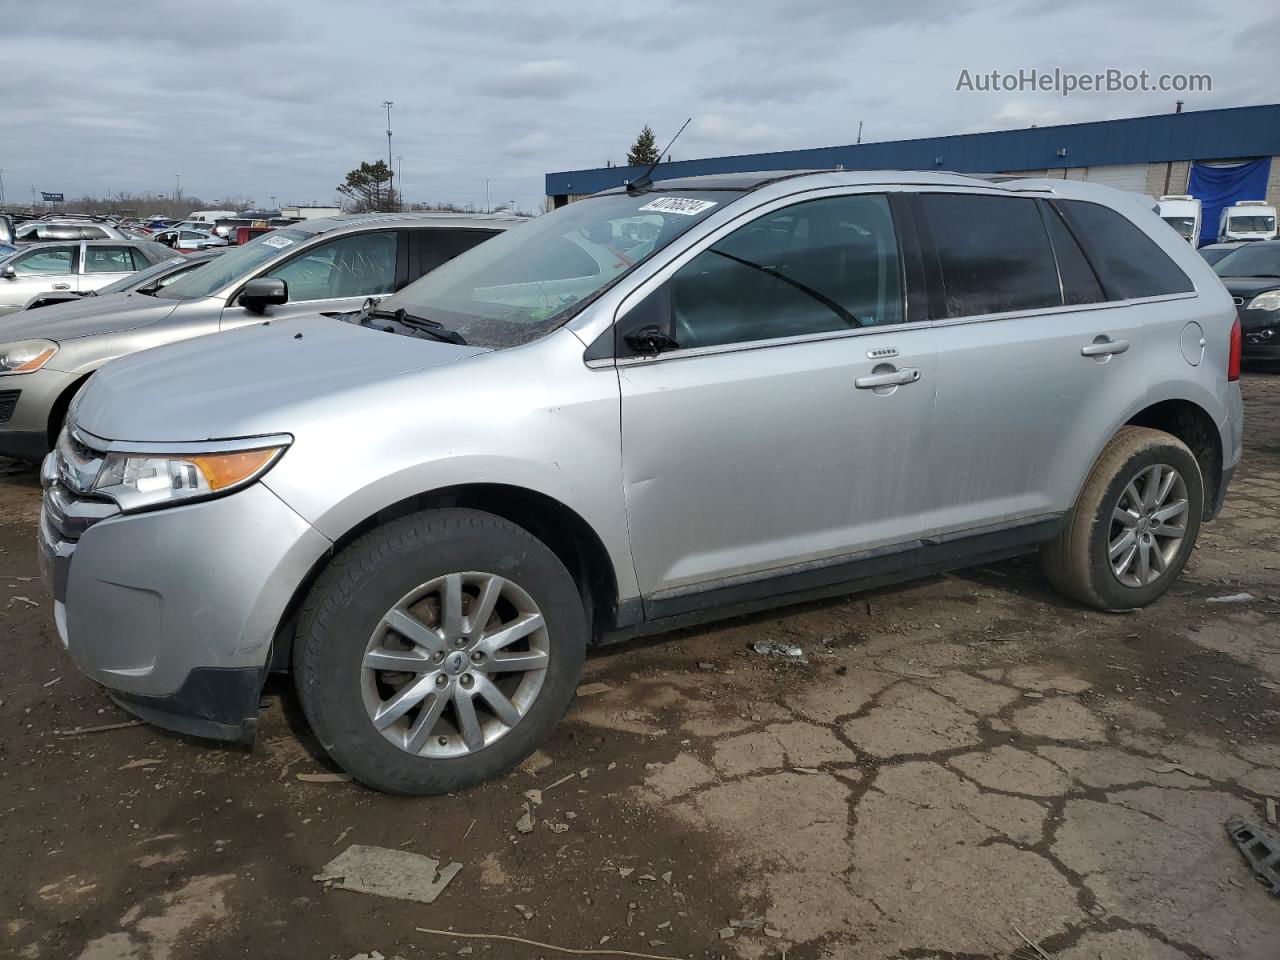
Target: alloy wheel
x=455, y=664
x=1148, y=524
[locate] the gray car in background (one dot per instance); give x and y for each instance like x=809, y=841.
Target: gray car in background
x=329, y=265
x=646, y=409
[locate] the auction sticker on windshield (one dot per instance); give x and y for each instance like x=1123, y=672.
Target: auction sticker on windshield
x=683, y=205
x=280, y=242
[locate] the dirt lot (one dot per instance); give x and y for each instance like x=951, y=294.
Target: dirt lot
x=958, y=763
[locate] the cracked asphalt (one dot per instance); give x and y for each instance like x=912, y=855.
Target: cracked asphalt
x=956, y=765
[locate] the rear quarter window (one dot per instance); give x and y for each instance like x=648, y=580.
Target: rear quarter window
x=1128, y=262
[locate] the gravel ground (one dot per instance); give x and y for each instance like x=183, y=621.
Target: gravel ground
x=957, y=764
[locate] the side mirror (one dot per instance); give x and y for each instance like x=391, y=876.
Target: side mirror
x=263, y=292
x=8, y=272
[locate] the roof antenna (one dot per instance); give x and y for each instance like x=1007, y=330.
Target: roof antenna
x=643, y=182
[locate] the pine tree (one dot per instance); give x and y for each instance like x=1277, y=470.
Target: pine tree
x=644, y=151
x=368, y=187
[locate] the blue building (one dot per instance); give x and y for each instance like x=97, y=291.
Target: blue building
x=1154, y=155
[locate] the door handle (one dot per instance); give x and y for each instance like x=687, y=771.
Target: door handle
x=62, y=286
x=1104, y=347
x=896, y=378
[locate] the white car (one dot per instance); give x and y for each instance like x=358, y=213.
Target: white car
x=78, y=265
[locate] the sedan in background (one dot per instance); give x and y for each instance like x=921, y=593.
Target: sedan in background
x=319, y=266
x=77, y=266
x=1251, y=275
x=184, y=240
x=144, y=281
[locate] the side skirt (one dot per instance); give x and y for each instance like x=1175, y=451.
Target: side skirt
x=833, y=577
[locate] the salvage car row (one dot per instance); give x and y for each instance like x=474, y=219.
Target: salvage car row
x=441, y=457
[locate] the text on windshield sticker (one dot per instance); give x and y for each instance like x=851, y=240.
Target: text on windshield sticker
x=683, y=205
x=280, y=242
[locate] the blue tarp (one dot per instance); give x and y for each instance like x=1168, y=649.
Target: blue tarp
x=1218, y=187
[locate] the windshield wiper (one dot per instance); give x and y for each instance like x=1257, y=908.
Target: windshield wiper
x=431, y=328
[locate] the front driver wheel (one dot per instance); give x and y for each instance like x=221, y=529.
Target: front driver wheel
x=1134, y=524
x=436, y=652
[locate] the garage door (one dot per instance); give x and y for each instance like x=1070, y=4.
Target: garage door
x=1123, y=176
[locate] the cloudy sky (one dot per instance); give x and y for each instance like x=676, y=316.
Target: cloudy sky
x=262, y=98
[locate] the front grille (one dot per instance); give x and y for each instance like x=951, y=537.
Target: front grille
x=8, y=400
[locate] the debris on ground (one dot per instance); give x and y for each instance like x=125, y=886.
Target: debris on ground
x=371, y=955
x=557, y=827
x=50, y=683
x=342, y=836
x=398, y=874
x=103, y=728
x=1272, y=817
x=1232, y=598
x=1260, y=848
x=524, y=911
x=727, y=933
x=527, y=820
x=27, y=600
x=1173, y=768
x=704, y=665
x=1033, y=945
x=775, y=648
x=508, y=938
x=324, y=777
x=132, y=764
x=591, y=689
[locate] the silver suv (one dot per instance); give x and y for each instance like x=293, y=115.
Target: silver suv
x=329, y=265
x=644, y=410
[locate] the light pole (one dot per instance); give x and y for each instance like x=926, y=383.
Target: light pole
x=1, y=188
x=387, y=105
x=399, y=160
x=487, y=181
x=177, y=188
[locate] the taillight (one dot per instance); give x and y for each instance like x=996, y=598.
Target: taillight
x=1233, y=358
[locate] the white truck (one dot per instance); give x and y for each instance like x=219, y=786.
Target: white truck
x=1247, y=220
x=1182, y=212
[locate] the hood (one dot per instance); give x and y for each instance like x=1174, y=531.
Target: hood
x=251, y=381
x=1249, y=286
x=86, y=317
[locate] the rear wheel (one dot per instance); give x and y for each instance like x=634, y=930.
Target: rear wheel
x=436, y=653
x=1134, y=524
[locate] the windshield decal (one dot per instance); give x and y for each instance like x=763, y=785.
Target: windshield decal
x=280, y=242
x=686, y=206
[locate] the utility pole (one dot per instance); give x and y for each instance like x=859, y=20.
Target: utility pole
x=1177, y=106
x=177, y=188
x=1, y=187
x=859, y=131
x=387, y=105
x=399, y=160
x=487, y=181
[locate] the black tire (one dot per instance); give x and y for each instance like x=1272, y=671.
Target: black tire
x=362, y=583
x=1076, y=561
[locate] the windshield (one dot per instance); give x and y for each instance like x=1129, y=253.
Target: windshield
x=144, y=277
x=1184, y=225
x=233, y=265
x=1253, y=260
x=1252, y=224
x=533, y=278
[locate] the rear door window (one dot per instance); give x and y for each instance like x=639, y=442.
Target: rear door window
x=429, y=248
x=1129, y=263
x=1079, y=282
x=994, y=253
x=108, y=260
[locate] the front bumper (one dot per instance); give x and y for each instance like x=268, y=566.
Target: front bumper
x=174, y=610
x=24, y=434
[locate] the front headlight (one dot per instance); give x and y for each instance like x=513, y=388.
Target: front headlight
x=1265, y=301
x=26, y=356
x=139, y=481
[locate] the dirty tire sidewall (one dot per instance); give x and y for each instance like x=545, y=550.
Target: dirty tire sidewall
x=1083, y=568
x=358, y=588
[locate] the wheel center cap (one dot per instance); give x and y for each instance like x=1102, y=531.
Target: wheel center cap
x=455, y=663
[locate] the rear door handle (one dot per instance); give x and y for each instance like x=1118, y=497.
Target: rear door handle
x=896, y=378
x=62, y=286
x=1104, y=347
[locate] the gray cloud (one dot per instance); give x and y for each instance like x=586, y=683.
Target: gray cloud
x=261, y=99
